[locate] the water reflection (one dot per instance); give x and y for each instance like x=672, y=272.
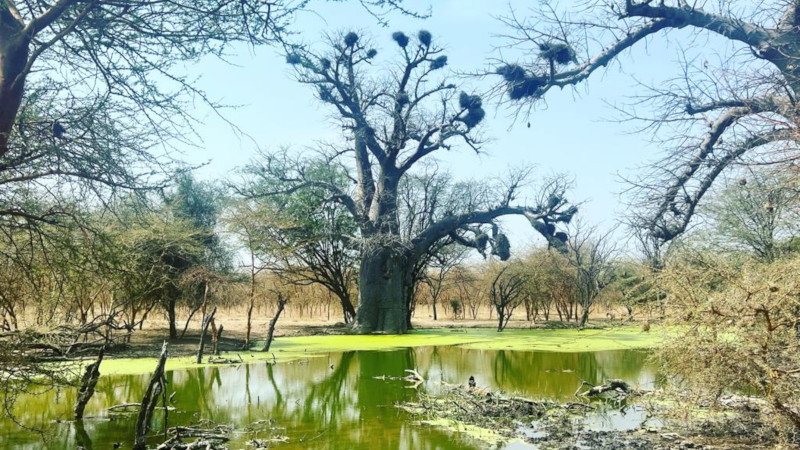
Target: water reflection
x=329, y=402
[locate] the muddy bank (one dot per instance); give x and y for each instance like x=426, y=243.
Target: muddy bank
x=621, y=420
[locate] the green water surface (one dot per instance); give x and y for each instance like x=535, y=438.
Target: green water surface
x=329, y=402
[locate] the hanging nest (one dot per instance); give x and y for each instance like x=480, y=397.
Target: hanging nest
x=439, y=62
x=473, y=105
x=520, y=84
x=371, y=53
x=402, y=98
x=473, y=117
x=559, y=52
x=293, y=59
x=325, y=63
x=481, y=241
x=467, y=101
x=326, y=94
x=553, y=201
x=512, y=73
x=424, y=37
x=501, y=247
x=566, y=216
x=400, y=38
x=350, y=39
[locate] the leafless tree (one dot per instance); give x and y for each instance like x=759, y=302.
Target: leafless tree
x=590, y=254
x=391, y=124
x=724, y=109
x=505, y=293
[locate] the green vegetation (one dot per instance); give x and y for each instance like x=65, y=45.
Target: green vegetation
x=293, y=348
x=104, y=231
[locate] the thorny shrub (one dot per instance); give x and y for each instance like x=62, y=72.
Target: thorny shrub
x=738, y=330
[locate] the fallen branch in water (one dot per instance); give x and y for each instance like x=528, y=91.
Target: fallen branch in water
x=619, y=388
x=123, y=408
x=204, y=438
x=213, y=360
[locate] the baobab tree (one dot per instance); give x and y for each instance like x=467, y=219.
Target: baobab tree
x=722, y=110
x=392, y=123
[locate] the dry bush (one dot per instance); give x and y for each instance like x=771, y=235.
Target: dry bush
x=739, y=330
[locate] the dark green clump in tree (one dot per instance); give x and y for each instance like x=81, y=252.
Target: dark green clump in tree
x=473, y=105
x=520, y=84
x=424, y=37
x=400, y=38
x=558, y=52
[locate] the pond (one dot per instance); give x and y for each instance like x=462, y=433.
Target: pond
x=333, y=401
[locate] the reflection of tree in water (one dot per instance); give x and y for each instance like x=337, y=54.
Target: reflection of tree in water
x=326, y=401
x=537, y=374
x=345, y=403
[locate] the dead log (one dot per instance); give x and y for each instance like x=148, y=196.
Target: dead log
x=157, y=387
x=88, y=383
x=207, y=439
x=282, y=301
x=123, y=406
x=617, y=386
x=206, y=322
x=215, y=337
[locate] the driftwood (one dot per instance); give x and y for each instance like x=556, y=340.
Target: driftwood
x=619, y=388
x=214, y=360
x=88, y=383
x=412, y=377
x=282, y=301
x=206, y=322
x=157, y=387
x=207, y=439
x=125, y=408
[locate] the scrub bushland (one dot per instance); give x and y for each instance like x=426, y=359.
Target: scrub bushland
x=742, y=330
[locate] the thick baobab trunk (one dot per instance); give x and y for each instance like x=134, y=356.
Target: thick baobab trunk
x=385, y=282
x=13, y=58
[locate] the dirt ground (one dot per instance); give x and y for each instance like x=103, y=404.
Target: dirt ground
x=293, y=322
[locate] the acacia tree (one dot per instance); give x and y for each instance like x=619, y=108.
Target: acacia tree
x=442, y=263
x=94, y=92
x=590, y=255
x=505, y=294
x=391, y=124
x=302, y=236
x=713, y=116
x=756, y=212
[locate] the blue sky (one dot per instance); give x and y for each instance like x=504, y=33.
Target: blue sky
x=575, y=134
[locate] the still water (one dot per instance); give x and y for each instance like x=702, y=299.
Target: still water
x=328, y=402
